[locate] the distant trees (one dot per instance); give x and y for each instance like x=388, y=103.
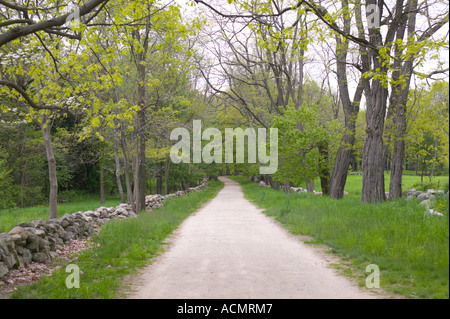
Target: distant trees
x=109, y=75
x=427, y=135
x=383, y=42
x=335, y=78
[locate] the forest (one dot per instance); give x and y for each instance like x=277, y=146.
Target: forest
x=91, y=90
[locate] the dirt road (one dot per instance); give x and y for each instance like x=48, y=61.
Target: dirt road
x=230, y=249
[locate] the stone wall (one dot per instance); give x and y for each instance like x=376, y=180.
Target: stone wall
x=425, y=198
x=37, y=240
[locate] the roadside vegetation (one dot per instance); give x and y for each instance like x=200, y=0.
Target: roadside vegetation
x=410, y=247
x=121, y=247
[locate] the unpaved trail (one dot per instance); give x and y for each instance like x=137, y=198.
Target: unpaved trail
x=230, y=249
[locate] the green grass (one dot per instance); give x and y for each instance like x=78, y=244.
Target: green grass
x=124, y=246
x=354, y=182
x=410, y=247
x=10, y=218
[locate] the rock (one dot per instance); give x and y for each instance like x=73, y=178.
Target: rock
x=422, y=196
x=425, y=202
x=3, y=269
x=27, y=256
x=121, y=211
x=40, y=257
x=40, y=233
x=131, y=214
x=64, y=223
x=9, y=260
x=22, y=232
x=434, y=212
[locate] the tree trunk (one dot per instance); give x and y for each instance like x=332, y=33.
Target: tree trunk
x=373, y=190
x=117, y=163
x=159, y=179
x=286, y=187
x=324, y=172
x=140, y=162
x=344, y=154
x=53, y=197
x=140, y=56
x=126, y=168
x=102, y=184
x=166, y=176
x=310, y=186
x=400, y=95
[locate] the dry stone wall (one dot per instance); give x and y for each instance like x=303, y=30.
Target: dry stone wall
x=37, y=240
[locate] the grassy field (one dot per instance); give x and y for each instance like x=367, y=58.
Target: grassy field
x=123, y=247
x=411, y=248
x=354, y=182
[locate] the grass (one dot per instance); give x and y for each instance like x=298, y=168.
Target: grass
x=354, y=182
x=411, y=248
x=10, y=218
x=123, y=247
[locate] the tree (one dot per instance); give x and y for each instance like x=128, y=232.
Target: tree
x=17, y=14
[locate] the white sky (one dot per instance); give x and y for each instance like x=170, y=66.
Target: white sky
x=318, y=53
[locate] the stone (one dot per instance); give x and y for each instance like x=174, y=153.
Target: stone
x=3, y=269
x=425, y=202
x=10, y=260
x=33, y=242
x=40, y=257
x=40, y=233
x=18, y=230
x=64, y=223
x=434, y=212
x=27, y=256
x=422, y=196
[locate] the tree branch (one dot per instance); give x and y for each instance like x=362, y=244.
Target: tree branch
x=18, y=32
x=30, y=101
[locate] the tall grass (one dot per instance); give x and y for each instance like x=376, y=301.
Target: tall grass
x=123, y=246
x=410, y=247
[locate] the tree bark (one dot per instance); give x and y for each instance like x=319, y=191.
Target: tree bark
x=53, y=197
x=117, y=163
x=373, y=190
x=166, y=176
x=324, y=172
x=102, y=184
x=126, y=168
x=400, y=98
x=310, y=186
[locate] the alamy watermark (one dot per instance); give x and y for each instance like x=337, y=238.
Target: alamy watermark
x=212, y=152
x=73, y=280
x=373, y=280
x=73, y=19
x=373, y=16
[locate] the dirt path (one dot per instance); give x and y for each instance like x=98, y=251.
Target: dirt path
x=230, y=249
